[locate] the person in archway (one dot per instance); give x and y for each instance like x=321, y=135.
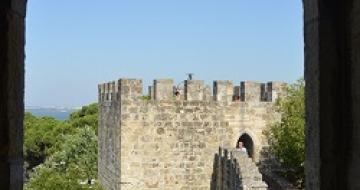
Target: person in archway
x=241, y=147
x=177, y=95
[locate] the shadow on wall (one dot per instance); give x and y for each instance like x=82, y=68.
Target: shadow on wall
x=226, y=174
x=214, y=173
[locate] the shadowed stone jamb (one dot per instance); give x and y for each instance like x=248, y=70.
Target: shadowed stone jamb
x=151, y=92
x=332, y=50
x=237, y=93
x=12, y=55
x=327, y=59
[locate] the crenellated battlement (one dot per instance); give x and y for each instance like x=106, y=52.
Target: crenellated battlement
x=164, y=89
x=192, y=90
x=123, y=89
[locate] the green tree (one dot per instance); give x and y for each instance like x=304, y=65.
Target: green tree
x=72, y=168
x=86, y=116
x=68, y=151
x=42, y=137
x=286, y=137
x=79, y=151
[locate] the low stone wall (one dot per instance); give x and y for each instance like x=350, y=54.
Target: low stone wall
x=234, y=170
x=276, y=182
x=270, y=168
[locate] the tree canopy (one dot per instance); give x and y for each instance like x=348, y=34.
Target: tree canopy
x=287, y=137
x=62, y=154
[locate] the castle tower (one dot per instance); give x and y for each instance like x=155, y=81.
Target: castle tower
x=169, y=143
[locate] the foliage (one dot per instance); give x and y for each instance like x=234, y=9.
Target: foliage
x=87, y=116
x=286, y=137
x=47, y=178
x=80, y=152
x=74, y=167
x=146, y=98
x=42, y=133
x=68, y=151
x=42, y=137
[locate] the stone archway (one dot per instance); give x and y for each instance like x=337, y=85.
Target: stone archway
x=248, y=144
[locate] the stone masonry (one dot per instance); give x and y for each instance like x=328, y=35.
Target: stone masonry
x=234, y=170
x=12, y=61
x=164, y=142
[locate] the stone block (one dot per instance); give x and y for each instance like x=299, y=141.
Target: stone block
x=250, y=91
x=194, y=90
x=163, y=89
x=130, y=89
x=223, y=90
x=275, y=90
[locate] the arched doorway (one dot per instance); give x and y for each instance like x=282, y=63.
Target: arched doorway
x=247, y=143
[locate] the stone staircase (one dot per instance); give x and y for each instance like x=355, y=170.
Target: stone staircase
x=234, y=170
x=249, y=173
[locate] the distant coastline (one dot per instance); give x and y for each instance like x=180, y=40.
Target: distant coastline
x=58, y=113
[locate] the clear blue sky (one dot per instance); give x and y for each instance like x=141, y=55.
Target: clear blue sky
x=72, y=45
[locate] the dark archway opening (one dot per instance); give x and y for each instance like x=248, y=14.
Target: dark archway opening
x=247, y=143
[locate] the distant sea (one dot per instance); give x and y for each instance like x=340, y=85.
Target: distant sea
x=58, y=113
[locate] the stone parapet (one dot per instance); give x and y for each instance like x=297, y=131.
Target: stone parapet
x=194, y=90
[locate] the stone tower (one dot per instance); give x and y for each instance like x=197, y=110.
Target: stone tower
x=168, y=142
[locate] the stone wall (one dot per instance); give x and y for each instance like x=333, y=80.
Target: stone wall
x=233, y=169
x=108, y=159
x=271, y=170
x=12, y=55
x=332, y=94
x=324, y=33
x=165, y=143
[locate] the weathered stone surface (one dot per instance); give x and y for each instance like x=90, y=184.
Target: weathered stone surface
x=233, y=169
x=332, y=65
x=194, y=90
x=12, y=55
x=251, y=91
x=170, y=143
x=223, y=91
x=163, y=89
x=328, y=26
